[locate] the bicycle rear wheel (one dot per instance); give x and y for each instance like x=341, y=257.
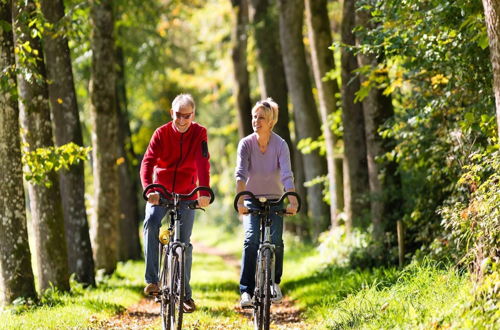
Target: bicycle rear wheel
x=175, y=309
x=266, y=313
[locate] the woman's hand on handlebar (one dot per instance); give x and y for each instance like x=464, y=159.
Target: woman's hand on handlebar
x=242, y=209
x=291, y=208
x=203, y=201
x=154, y=198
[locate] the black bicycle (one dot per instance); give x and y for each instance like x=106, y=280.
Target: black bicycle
x=172, y=256
x=264, y=273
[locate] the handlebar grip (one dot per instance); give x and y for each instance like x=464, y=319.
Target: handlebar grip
x=163, y=191
x=242, y=193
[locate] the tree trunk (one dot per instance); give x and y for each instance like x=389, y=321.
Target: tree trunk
x=46, y=207
x=130, y=246
x=272, y=80
x=356, y=186
x=67, y=129
x=492, y=17
x=104, y=138
x=377, y=109
x=322, y=60
x=241, y=77
x=16, y=274
x=304, y=107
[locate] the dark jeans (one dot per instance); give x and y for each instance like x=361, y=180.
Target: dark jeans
x=152, y=224
x=251, y=225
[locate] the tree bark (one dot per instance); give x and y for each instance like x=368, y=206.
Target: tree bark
x=356, y=186
x=130, y=246
x=67, y=129
x=322, y=60
x=304, y=108
x=492, y=17
x=377, y=109
x=16, y=274
x=46, y=207
x=272, y=81
x=104, y=138
x=239, y=37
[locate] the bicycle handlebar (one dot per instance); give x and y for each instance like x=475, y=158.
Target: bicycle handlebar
x=168, y=195
x=253, y=198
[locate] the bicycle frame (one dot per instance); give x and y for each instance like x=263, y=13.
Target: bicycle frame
x=265, y=267
x=172, y=270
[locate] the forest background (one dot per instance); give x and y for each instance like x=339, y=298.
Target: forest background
x=388, y=107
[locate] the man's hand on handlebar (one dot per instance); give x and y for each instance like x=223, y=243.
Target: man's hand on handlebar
x=203, y=201
x=154, y=198
x=291, y=209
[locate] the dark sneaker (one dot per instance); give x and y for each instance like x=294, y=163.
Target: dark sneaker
x=189, y=306
x=151, y=289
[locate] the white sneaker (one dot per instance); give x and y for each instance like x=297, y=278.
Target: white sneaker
x=246, y=300
x=276, y=294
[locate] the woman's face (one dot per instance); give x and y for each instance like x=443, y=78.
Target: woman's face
x=260, y=123
x=182, y=117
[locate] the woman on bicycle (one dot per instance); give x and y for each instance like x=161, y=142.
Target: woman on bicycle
x=263, y=167
x=177, y=157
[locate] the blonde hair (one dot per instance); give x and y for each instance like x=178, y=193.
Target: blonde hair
x=183, y=100
x=270, y=109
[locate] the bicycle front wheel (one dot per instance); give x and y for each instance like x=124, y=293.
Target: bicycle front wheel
x=164, y=292
x=266, y=313
x=175, y=306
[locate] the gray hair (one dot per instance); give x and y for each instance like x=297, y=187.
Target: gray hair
x=183, y=100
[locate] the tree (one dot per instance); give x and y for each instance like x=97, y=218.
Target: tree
x=239, y=37
x=104, y=139
x=45, y=201
x=492, y=17
x=304, y=108
x=355, y=171
x=130, y=246
x=272, y=81
x=377, y=109
x=67, y=129
x=16, y=274
x=322, y=62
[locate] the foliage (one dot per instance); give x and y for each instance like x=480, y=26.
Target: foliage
x=43, y=161
x=472, y=226
x=439, y=76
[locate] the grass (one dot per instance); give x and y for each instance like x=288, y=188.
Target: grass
x=419, y=296
x=82, y=307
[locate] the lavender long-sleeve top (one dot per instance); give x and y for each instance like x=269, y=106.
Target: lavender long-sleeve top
x=266, y=174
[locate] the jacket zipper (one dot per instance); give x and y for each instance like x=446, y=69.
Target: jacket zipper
x=178, y=163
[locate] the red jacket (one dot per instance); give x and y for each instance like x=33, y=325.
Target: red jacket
x=178, y=161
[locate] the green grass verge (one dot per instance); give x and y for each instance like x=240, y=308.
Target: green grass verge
x=80, y=308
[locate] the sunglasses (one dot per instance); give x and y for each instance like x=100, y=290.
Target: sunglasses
x=265, y=104
x=183, y=115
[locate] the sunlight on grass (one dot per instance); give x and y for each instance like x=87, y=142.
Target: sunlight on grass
x=80, y=308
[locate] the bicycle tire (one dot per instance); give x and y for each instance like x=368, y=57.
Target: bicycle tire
x=164, y=293
x=266, y=313
x=259, y=280
x=177, y=276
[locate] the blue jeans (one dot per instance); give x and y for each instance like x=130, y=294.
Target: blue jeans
x=251, y=225
x=152, y=224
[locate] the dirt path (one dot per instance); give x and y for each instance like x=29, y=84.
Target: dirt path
x=145, y=313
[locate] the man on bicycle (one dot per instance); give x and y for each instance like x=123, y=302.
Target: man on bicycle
x=177, y=157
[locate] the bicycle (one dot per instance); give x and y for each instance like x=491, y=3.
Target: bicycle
x=265, y=267
x=172, y=256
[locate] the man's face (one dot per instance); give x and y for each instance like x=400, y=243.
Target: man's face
x=182, y=118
